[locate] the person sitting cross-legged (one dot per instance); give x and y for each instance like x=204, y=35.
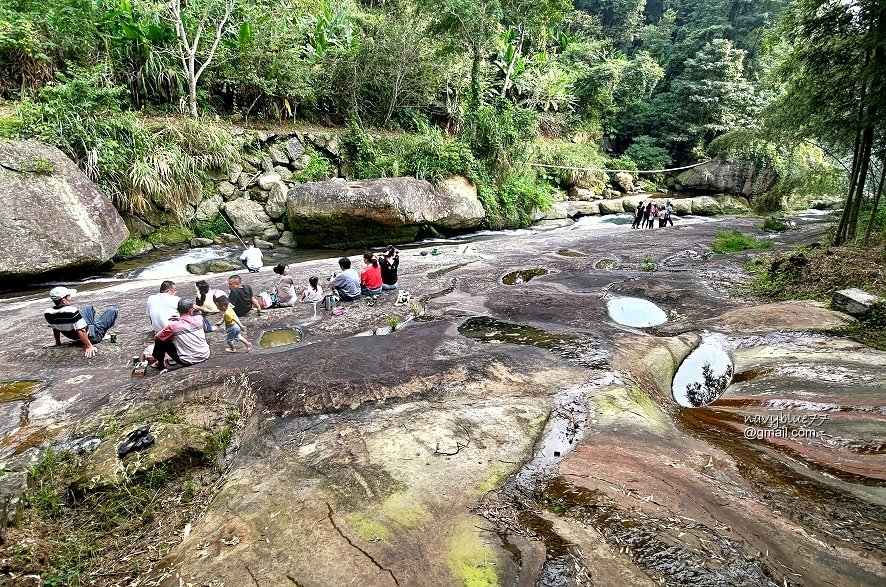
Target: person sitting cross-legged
x=346, y=284
x=183, y=338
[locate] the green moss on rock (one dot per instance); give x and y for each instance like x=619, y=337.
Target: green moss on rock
x=469, y=558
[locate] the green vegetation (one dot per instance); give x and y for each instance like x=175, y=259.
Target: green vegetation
x=318, y=168
x=816, y=273
x=649, y=263
x=732, y=241
x=394, y=321
x=774, y=224
x=131, y=247
x=211, y=228
x=39, y=165
x=432, y=88
x=170, y=235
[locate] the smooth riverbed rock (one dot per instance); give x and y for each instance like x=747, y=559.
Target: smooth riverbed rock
x=287, y=239
x=854, y=301
x=727, y=177
x=578, y=209
x=460, y=194
x=249, y=218
x=706, y=206
x=53, y=216
x=388, y=210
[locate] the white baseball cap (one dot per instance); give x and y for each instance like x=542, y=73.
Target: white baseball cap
x=59, y=293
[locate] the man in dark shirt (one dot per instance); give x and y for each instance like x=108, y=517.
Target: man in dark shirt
x=81, y=325
x=240, y=296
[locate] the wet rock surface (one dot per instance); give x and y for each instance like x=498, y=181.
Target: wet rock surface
x=510, y=434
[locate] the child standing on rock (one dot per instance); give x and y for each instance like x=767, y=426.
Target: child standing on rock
x=234, y=329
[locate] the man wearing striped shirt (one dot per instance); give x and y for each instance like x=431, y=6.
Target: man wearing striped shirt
x=77, y=324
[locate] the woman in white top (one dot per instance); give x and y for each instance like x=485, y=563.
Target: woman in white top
x=285, y=286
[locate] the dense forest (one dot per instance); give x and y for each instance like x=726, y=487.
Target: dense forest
x=143, y=95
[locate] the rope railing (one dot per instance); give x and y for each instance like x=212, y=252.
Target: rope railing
x=617, y=170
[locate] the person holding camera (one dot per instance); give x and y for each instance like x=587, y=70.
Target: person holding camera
x=389, y=263
x=346, y=285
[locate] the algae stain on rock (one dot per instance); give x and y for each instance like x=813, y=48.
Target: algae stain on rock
x=469, y=558
x=368, y=529
x=404, y=510
x=613, y=403
x=11, y=391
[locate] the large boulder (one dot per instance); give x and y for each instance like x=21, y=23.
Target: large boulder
x=578, y=209
x=624, y=181
x=611, y=207
x=275, y=206
x=377, y=211
x=247, y=217
x=53, y=216
x=208, y=208
x=706, y=206
x=460, y=205
x=726, y=177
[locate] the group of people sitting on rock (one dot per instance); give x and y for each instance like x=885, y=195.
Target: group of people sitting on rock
x=179, y=325
x=648, y=212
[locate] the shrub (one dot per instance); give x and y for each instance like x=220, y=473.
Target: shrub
x=647, y=155
x=731, y=241
x=170, y=235
x=211, y=228
x=774, y=224
x=649, y=263
x=131, y=247
x=318, y=168
x=512, y=203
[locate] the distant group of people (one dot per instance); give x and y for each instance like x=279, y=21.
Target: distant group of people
x=180, y=325
x=647, y=213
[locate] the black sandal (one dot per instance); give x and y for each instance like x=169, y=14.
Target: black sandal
x=135, y=440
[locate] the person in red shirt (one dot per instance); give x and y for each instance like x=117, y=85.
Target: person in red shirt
x=370, y=279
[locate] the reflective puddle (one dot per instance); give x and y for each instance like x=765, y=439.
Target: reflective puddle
x=570, y=253
x=582, y=350
x=12, y=391
x=704, y=375
x=518, y=277
x=279, y=337
x=635, y=312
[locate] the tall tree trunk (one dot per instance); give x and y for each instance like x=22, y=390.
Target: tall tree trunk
x=867, y=147
x=840, y=235
x=873, y=218
x=192, y=95
x=510, y=71
x=853, y=177
x=475, y=80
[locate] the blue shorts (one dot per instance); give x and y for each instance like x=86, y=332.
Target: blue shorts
x=233, y=334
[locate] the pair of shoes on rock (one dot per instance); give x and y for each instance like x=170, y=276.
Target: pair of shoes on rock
x=404, y=297
x=135, y=440
x=371, y=300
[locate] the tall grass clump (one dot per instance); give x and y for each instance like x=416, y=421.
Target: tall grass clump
x=731, y=241
x=137, y=164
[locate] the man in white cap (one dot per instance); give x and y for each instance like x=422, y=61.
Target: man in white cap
x=77, y=324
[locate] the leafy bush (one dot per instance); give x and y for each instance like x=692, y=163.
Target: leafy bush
x=572, y=155
x=731, y=241
x=318, y=168
x=774, y=224
x=427, y=156
x=649, y=263
x=211, y=228
x=501, y=134
x=647, y=155
x=512, y=202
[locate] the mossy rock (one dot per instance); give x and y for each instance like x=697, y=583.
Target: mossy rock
x=133, y=247
x=171, y=235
